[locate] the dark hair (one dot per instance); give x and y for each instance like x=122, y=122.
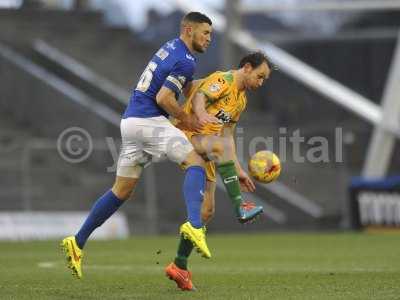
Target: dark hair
x=255, y=59
x=196, y=17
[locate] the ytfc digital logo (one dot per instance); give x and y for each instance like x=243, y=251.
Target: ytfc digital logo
x=75, y=145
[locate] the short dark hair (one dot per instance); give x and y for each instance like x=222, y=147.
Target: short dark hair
x=255, y=59
x=196, y=17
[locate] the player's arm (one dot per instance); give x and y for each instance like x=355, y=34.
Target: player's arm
x=199, y=108
x=211, y=89
x=166, y=99
x=187, y=90
x=181, y=73
x=246, y=183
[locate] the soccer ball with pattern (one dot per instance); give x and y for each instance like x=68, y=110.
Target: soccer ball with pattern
x=265, y=166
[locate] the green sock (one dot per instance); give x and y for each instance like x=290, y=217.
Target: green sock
x=227, y=171
x=184, y=249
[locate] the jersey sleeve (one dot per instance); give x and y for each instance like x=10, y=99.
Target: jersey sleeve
x=180, y=75
x=215, y=87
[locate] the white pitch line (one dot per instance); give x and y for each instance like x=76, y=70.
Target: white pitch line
x=227, y=270
x=46, y=264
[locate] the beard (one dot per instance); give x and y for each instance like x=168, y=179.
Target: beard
x=195, y=44
x=197, y=47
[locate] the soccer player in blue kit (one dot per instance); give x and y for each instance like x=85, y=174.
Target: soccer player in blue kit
x=148, y=135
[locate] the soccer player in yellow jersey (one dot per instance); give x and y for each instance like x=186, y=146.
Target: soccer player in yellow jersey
x=218, y=101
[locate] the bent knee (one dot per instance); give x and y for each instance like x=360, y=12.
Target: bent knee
x=123, y=187
x=122, y=193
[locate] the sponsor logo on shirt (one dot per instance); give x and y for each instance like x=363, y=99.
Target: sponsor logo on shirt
x=223, y=116
x=163, y=54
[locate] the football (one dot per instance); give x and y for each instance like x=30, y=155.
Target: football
x=265, y=166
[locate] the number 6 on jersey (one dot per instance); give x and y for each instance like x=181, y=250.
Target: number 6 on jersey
x=146, y=77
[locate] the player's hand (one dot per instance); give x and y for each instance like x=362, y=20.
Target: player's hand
x=191, y=123
x=205, y=118
x=246, y=184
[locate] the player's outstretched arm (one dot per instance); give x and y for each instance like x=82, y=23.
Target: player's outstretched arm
x=166, y=100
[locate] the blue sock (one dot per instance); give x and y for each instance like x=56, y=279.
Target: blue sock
x=104, y=207
x=193, y=190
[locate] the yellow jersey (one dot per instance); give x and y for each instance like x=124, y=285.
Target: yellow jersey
x=224, y=100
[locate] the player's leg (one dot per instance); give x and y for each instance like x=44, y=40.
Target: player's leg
x=193, y=187
x=207, y=212
x=129, y=169
x=208, y=207
x=221, y=152
x=167, y=140
x=177, y=270
x=128, y=172
x=105, y=207
x=102, y=210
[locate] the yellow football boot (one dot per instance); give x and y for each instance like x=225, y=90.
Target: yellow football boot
x=73, y=254
x=197, y=237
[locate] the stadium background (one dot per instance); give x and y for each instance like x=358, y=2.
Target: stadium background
x=58, y=56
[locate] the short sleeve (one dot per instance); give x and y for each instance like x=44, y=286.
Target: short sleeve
x=180, y=75
x=215, y=86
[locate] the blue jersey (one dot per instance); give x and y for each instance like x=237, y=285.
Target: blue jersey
x=172, y=66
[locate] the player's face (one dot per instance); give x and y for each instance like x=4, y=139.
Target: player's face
x=201, y=37
x=255, y=77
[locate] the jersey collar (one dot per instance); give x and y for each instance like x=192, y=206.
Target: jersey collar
x=185, y=47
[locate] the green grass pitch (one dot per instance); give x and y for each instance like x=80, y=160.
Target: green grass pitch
x=256, y=266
